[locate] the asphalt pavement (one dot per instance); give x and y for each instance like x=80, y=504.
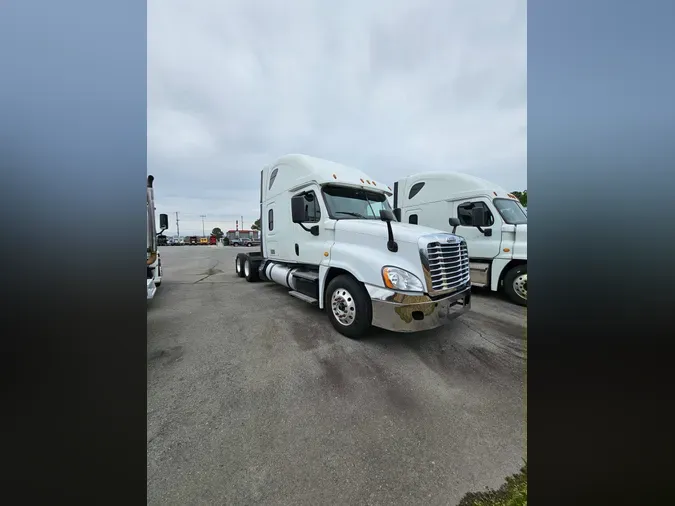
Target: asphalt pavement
x=253, y=397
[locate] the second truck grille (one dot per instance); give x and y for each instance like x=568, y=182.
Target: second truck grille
x=448, y=265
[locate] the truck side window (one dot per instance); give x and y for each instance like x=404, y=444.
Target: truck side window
x=273, y=176
x=270, y=219
x=413, y=219
x=464, y=213
x=312, y=208
x=415, y=189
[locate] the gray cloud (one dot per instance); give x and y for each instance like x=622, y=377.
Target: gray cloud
x=393, y=88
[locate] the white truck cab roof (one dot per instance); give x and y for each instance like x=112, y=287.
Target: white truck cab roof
x=433, y=186
x=296, y=170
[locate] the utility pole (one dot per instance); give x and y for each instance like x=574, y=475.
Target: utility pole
x=203, y=232
x=177, y=226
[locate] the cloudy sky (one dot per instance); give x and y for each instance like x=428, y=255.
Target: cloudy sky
x=392, y=87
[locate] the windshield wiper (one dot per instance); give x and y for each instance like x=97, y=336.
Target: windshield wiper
x=351, y=214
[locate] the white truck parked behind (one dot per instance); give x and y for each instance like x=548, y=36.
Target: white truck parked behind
x=152, y=260
x=492, y=221
x=331, y=238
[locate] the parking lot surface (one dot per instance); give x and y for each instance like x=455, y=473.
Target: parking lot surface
x=254, y=398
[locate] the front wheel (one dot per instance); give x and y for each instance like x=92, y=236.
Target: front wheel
x=515, y=284
x=349, y=307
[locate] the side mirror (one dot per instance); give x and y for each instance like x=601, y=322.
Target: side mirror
x=298, y=209
x=163, y=221
x=387, y=215
x=454, y=223
x=478, y=216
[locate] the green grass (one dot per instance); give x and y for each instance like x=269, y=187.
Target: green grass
x=512, y=493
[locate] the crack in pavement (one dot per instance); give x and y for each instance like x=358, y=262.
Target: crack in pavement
x=501, y=347
x=210, y=272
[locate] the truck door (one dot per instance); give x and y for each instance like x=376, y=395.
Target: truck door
x=308, y=248
x=481, y=246
x=271, y=237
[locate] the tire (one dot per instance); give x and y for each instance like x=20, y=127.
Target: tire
x=515, y=285
x=248, y=244
x=345, y=296
x=250, y=270
x=239, y=266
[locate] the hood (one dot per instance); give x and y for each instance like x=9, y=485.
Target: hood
x=403, y=232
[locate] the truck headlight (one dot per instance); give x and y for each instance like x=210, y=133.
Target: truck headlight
x=399, y=279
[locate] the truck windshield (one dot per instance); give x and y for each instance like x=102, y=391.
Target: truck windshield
x=353, y=203
x=511, y=211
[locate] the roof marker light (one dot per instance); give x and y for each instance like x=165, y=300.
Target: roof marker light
x=362, y=181
x=334, y=176
x=368, y=181
x=495, y=193
x=374, y=183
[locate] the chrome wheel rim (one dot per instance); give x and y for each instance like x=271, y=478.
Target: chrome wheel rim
x=520, y=286
x=247, y=268
x=237, y=265
x=343, y=306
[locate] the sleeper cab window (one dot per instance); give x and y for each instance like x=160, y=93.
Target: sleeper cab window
x=273, y=176
x=270, y=219
x=412, y=219
x=415, y=189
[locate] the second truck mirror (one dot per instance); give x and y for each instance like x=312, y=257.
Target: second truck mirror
x=163, y=221
x=387, y=215
x=298, y=209
x=478, y=216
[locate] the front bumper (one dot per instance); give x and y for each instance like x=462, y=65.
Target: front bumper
x=401, y=312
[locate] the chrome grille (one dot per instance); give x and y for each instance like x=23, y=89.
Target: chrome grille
x=446, y=262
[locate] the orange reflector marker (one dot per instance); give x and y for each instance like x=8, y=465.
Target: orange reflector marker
x=506, y=250
x=387, y=282
x=325, y=253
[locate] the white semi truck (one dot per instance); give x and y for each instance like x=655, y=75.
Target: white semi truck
x=492, y=221
x=330, y=236
x=152, y=259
